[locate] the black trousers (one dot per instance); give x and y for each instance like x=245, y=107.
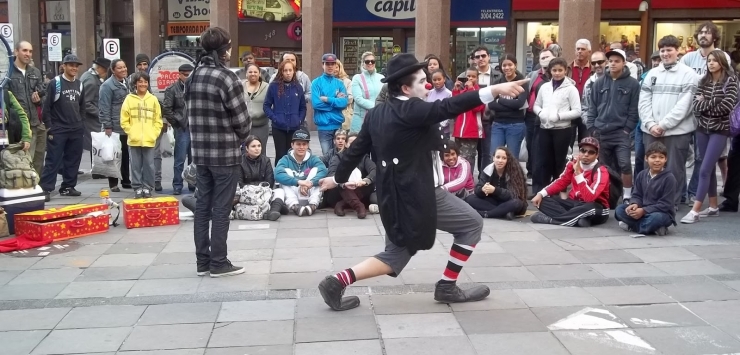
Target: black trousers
x=497, y=208
x=530, y=121
x=732, y=188
x=579, y=130
x=216, y=186
x=568, y=212
x=125, y=165
x=281, y=139
x=484, y=148
x=63, y=154
x=552, y=149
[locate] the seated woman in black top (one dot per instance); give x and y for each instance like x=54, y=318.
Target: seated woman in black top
x=364, y=194
x=501, y=191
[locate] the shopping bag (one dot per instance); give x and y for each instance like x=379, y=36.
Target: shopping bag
x=110, y=168
x=108, y=149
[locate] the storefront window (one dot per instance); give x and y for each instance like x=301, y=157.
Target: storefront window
x=353, y=47
x=729, y=32
x=468, y=39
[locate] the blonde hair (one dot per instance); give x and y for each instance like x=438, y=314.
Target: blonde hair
x=342, y=74
x=367, y=54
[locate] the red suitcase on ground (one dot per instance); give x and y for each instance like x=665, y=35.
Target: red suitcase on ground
x=151, y=212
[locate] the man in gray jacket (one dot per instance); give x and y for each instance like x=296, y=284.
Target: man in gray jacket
x=91, y=81
x=613, y=114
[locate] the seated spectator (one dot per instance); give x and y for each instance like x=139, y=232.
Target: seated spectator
x=364, y=194
x=298, y=174
x=340, y=138
x=502, y=189
x=651, y=209
x=588, y=201
x=457, y=172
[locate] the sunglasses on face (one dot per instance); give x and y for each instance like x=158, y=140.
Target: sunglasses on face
x=370, y=61
x=587, y=151
x=598, y=62
x=479, y=56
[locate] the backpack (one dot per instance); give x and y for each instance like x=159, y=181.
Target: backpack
x=616, y=187
x=16, y=169
x=735, y=113
x=254, y=202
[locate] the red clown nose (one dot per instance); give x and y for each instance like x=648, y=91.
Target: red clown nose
x=428, y=86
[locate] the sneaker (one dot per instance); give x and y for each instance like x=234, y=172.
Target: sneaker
x=373, y=208
x=157, y=186
x=510, y=216
x=662, y=231
x=584, y=222
x=69, y=191
x=296, y=209
x=310, y=209
x=147, y=193
x=47, y=196
x=529, y=181
x=303, y=211
x=177, y=192
x=541, y=218
x=691, y=217
x=709, y=212
x=115, y=189
x=139, y=193
x=625, y=227
x=227, y=270
x=203, y=270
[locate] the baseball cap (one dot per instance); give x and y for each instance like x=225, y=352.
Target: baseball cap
x=589, y=141
x=185, y=68
x=329, y=58
x=618, y=52
x=656, y=55
x=71, y=58
x=301, y=135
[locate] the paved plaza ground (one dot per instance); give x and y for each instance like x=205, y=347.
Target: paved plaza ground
x=555, y=291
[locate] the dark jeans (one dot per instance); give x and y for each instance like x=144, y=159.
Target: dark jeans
x=282, y=140
x=497, y=208
x=125, y=162
x=63, y=153
x=639, y=151
x=216, y=187
x=614, y=151
x=530, y=121
x=484, y=149
x=579, y=130
x=182, y=151
x=648, y=224
x=326, y=138
x=552, y=149
x=732, y=187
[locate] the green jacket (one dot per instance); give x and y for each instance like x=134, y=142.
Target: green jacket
x=13, y=105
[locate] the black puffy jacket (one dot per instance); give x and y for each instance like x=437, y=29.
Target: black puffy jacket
x=256, y=171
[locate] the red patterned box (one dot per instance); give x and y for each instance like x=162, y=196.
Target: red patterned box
x=63, y=223
x=151, y=212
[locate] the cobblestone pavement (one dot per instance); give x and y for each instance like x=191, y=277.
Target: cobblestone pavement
x=555, y=291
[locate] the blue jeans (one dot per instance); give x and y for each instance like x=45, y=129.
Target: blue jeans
x=648, y=224
x=182, y=149
x=639, y=150
x=510, y=135
x=326, y=138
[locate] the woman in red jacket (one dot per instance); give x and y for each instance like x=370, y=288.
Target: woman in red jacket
x=468, y=126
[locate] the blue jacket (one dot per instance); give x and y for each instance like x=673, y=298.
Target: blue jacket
x=287, y=111
x=656, y=194
x=328, y=115
x=288, y=172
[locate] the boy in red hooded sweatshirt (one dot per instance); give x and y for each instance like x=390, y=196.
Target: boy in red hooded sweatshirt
x=468, y=126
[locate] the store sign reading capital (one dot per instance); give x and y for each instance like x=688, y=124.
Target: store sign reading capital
x=392, y=9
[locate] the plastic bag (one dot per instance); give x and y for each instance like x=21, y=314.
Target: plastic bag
x=108, y=149
x=168, y=145
x=523, y=153
x=110, y=168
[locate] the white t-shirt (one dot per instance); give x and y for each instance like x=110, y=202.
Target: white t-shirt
x=695, y=60
x=23, y=71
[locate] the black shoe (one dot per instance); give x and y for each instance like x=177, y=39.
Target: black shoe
x=226, y=270
x=448, y=292
x=69, y=191
x=115, y=189
x=126, y=186
x=177, y=192
x=726, y=207
x=331, y=290
x=80, y=172
x=510, y=216
x=541, y=218
x=191, y=188
x=47, y=196
x=203, y=270
x=157, y=186
x=584, y=222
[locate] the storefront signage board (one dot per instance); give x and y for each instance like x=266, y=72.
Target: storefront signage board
x=187, y=28
x=189, y=10
x=474, y=13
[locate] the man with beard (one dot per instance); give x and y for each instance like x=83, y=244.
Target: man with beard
x=405, y=138
x=91, y=81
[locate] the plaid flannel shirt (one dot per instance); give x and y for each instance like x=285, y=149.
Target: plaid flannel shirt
x=217, y=113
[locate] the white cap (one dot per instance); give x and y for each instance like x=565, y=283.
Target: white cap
x=617, y=52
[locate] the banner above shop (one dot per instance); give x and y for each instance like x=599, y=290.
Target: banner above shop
x=473, y=13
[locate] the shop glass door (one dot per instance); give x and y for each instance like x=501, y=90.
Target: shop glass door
x=351, y=50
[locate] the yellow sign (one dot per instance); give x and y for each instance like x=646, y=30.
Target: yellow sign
x=396, y=49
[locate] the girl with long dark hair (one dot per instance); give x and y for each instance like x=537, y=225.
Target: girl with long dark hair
x=433, y=64
x=501, y=191
x=508, y=127
x=714, y=100
x=285, y=107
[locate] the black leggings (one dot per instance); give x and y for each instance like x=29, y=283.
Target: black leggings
x=552, y=149
x=125, y=179
x=496, y=208
x=282, y=140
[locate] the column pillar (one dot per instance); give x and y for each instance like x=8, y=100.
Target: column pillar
x=316, y=39
x=433, y=29
x=24, y=15
x=146, y=29
x=224, y=14
x=578, y=19
x=82, y=13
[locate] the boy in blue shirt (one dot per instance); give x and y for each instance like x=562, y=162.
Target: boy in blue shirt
x=328, y=98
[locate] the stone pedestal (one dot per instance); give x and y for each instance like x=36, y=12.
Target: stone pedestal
x=146, y=29
x=82, y=13
x=578, y=19
x=316, y=39
x=24, y=15
x=224, y=15
x=433, y=29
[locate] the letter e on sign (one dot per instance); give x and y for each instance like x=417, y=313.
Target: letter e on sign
x=112, y=48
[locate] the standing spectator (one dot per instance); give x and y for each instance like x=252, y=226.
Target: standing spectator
x=469, y=129
x=26, y=84
x=141, y=119
x=63, y=107
x=112, y=93
x=613, y=114
x=631, y=67
x=247, y=60
x=665, y=108
x=256, y=91
x=537, y=78
x=715, y=99
x=501, y=191
x=598, y=64
x=580, y=72
x=639, y=144
x=173, y=110
x=301, y=78
x=328, y=98
x=434, y=64
x=91, y=81
x=219, y=122
x=365, y=89
x=12, y=105
x=284, y=107
x=142, y=66
x=440, y=92
x=508, y=112
x=557, y=105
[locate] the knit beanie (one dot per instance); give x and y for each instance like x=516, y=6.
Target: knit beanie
x=141, y=57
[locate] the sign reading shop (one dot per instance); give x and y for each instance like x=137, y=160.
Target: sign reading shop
x=189, y=10
x=478, y=13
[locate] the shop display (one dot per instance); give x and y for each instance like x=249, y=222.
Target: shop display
x=151, y=212
x=62, y=223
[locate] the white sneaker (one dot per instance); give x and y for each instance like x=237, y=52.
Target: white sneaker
x=691, y=217
x=709, y=212
x=373, y=208
x=529, y=182
x=625, y=227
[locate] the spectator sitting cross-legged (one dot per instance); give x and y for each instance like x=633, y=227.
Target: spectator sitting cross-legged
x=501, y=191
x=361, y=194
x=298, y=173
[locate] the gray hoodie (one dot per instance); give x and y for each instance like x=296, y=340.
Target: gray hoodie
x=112, y=93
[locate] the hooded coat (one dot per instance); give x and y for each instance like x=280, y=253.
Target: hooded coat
x=91, y=83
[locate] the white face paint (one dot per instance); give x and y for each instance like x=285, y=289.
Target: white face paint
x=418, y=86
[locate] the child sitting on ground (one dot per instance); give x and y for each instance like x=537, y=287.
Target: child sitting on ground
x=651, y=206
x=457, y=172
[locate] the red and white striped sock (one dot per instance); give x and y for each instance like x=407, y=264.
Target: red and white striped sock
x=346, y=277
x=459, y=255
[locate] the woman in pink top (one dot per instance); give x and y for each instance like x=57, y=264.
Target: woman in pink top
x=457, y=172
